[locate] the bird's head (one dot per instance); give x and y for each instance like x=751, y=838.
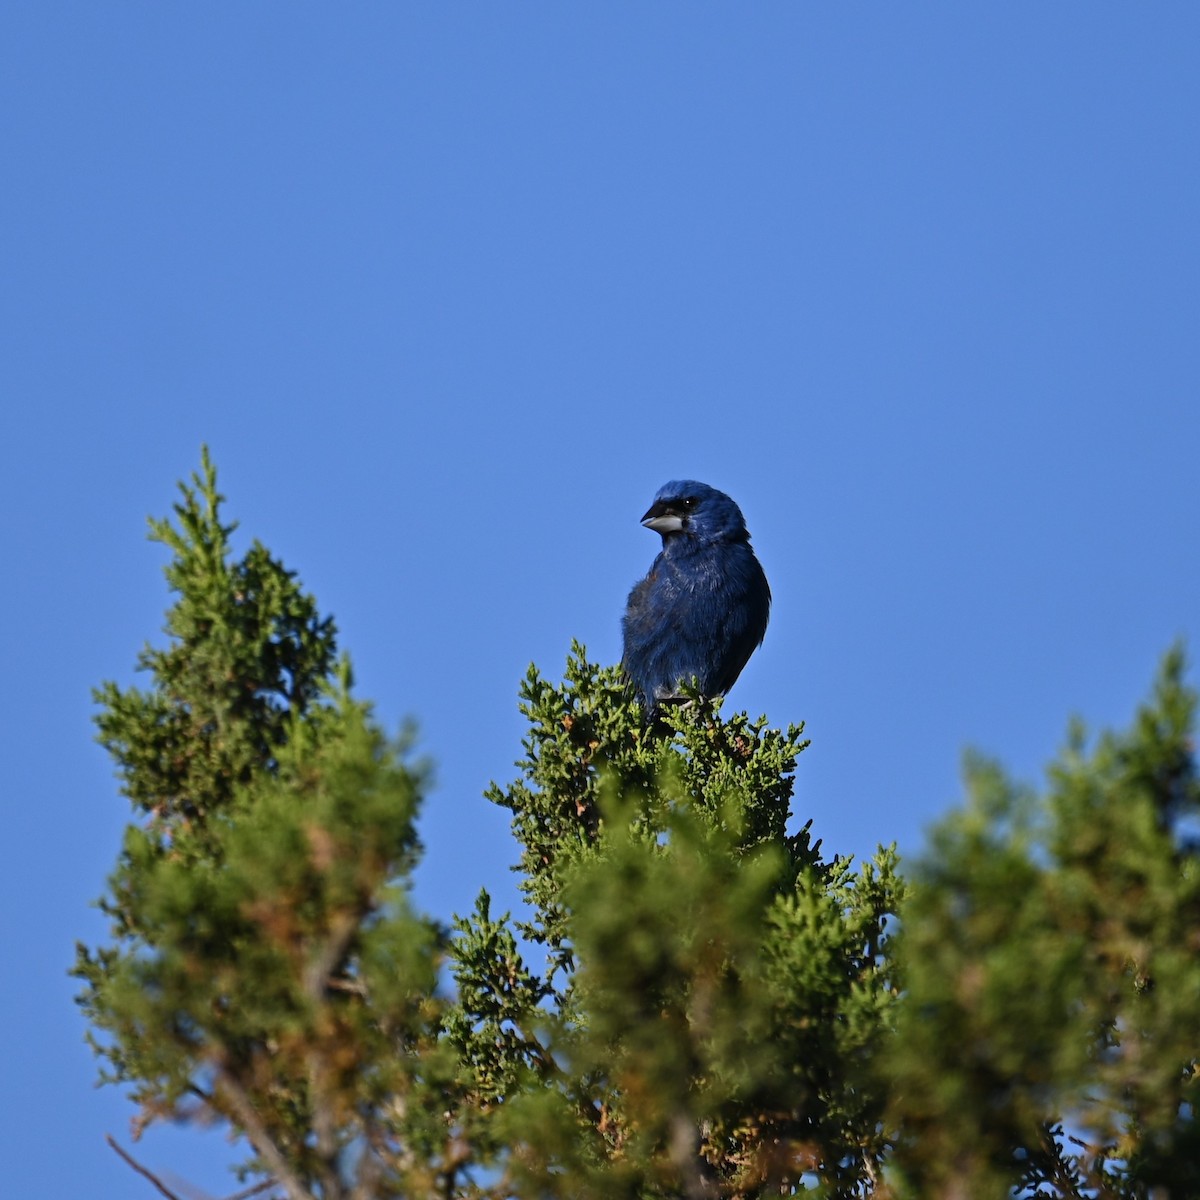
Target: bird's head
x=686, y=508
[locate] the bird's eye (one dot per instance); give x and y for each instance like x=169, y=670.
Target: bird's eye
x=688, y=503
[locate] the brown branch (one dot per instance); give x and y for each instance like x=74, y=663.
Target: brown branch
x=352, y=987
x=324, y=1127
x=137, y=1166
x=318, y=973
x=252, y=1191
x=370, y=1166
x=245, y=1194
x=260, y=1139
x=684, y=1149
x=317, y=978
x=196, y=1090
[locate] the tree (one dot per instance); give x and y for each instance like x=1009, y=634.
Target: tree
x=265, y=967
x=1051, y=1025
x=714, y=989
x=695, y=1002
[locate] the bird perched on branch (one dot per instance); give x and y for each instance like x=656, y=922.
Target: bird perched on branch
x=702, y=610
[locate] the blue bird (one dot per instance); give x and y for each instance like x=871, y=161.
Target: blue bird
x=702, y=610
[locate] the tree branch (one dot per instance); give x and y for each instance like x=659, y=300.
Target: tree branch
x=252, y=1191
x=317, y=977
x=137, y=1166
x=260, y=1139
x=318, y=973
x=684, y=1148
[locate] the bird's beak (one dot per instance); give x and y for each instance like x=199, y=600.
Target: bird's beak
x=661, y=519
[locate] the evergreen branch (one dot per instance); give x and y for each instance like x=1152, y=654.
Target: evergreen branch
x=370, y=1168
x=685, y=1157
x=260, y=1139
x=246, y=1193
x=318, y=974
x=143, y=1171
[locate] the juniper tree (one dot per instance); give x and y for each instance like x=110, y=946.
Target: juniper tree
x=264, y=966
x=713, y=988
x=689, y=1004
x=1050, y=1033
x=695, y=1000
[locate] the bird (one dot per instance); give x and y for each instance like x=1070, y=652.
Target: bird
x=702, y=610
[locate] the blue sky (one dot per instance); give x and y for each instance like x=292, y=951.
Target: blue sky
x=451, y=290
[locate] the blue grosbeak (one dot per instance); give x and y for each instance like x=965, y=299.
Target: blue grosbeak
x=702, y=610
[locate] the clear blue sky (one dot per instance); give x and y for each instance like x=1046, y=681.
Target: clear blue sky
x=450, y=290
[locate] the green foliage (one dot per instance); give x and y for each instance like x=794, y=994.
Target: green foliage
x=1052, y=1019
x=694, y=1002
x=264, y=965
x=247, y=654
x=713, y=988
